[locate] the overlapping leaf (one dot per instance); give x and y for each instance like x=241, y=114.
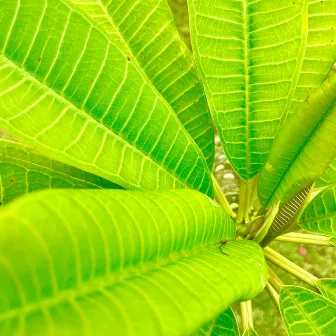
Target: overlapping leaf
x=249, y=55
x=123, y=263
x=70, y=91
x=320, y=52
x=307, y=313
x=327, y=288
x=320, y=214
x=224, y=325
x=147, y=30
x=328, y=177
x=303, y=148
x=22, y=170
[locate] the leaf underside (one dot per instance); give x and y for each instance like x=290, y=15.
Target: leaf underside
x=303, y=148
x=147, y=30
x=123, y=263
x=307, y=313
x=23, y=170
x=328, y=177
x=320, y=214
x=70, y=91
x=249, y=54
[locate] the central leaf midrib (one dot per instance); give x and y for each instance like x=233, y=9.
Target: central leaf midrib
x=88, y=116
x=246, y=27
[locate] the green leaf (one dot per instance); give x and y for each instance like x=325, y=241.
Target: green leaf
x=224, y=325
x=249, y=54
x=303, y=148
x=72, y=93
x=148, y=32
x=328, y=177
x=320, y=51
x=320, y=214
x=23, y=170
x=328, y=288
x=123, y=263
x=307, y=313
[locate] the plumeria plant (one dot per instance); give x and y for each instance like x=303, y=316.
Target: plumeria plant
x=111, y=220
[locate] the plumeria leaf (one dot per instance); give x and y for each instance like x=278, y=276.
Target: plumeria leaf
x=23, y=170
x=249, y=55
x=307, y=313
x=73, y=93
x=124, y=262
x=320, y=214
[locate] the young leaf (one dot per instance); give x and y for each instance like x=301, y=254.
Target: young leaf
x=148, y=32
x=307, y=313
x=123, y=263
x=23, y=170
x=303, y=148
x=320, y=52
x=327, y=287
x=328, y=177
x=224, y=325
x=320, y=214
x=249, y=56
x=70, y=91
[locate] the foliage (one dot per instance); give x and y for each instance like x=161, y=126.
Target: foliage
x=101, y=96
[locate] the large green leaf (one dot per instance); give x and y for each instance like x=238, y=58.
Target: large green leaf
x=148, y=31
x=123, y=263
x=320, y=214
x=23, y=170
x=70, y=91
x=307, y=313
x=224, y=325
x=328, y=177
x=328, y=288
x=249, y=54
x=320, y=52
x=303, y=148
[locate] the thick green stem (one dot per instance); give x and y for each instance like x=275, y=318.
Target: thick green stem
x=274, y=295
x=274, y=280
x=221, y=199
x=288, y=266
x=242, y=200
x=246, y=314
x=304, y=238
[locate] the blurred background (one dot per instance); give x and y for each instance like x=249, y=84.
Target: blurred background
x=317, y=260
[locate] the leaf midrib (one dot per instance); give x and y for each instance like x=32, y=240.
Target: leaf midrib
x=86, y=115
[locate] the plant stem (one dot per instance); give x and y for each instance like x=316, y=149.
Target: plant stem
x=241, y=206
x=274, y=280
x=274, y=295
x=221, y=199
x=288, y=266
x=246, y=314
x=304, y=238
